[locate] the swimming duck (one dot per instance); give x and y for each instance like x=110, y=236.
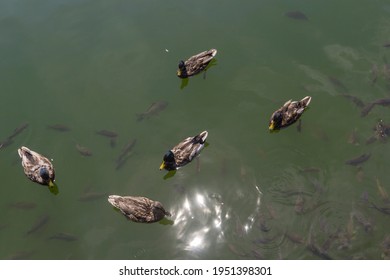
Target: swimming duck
x=184, y=152
x=37, y=168
x=139, y=209
x=195, y=64
x=288, y=114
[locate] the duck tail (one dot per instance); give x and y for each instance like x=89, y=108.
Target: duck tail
x=203, y=135
x=213, y=52
x=306, y=101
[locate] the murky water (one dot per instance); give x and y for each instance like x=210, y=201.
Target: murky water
x=94, y=65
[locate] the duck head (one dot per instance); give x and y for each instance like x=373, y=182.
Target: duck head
x=158, y=210
x=182, y=71
x=169, y=162
x=276, y=121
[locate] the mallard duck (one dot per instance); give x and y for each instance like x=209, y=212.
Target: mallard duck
x=139, y=209
x=184, y=152
x=288, y=114
x=37, y=168
x=195, y=64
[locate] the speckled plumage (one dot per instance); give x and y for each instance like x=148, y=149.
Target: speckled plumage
x=184, y=152
x=37, y=168
x=139, y=209
x=288, y=114
x=195, y=64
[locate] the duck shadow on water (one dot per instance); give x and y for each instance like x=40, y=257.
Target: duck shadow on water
x=184, y=82
x=170, y=174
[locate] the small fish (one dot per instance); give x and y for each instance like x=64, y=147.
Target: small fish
x=18, y=130
x=23, y=205
x=367, y=109
x=154, y=109
x=107, y=133
x=6, y=143
x=384, y=210
x=382, y=191
x=358, y=160
x=122, y=158
x=358, y=102
x=59, y=127
x=40, y=223
x=339, y=86
x=83, y=151
x=296, y=15
x=63, y=236
x=382, y=102
x=386, y=45
x=92, y=196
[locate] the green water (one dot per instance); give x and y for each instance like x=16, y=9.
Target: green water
x=94, y=65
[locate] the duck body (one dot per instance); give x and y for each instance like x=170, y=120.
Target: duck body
x=37, y=168
x=288, y=114
x=195, y=64
x=139, y=209
x=184, y=152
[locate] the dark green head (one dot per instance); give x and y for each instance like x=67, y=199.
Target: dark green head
x=169, y=162
x=276, y=121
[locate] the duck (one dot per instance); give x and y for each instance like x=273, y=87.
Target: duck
x=195, y=64
x=138, y=208
x=288, y=114
x=37, y=168
x=184, y=152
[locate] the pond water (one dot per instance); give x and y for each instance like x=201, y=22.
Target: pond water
x=251, y=194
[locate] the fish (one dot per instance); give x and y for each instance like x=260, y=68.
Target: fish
x=358, y=160
x=296, y=15
x=384, y=210
x=18, y=130
x=91, y=196
x=107, y=133
x=154, y=109
x=40, y=223
x=83, y=151
x=357, y=101
x=122, y=158
x=58, y=127
x=63, y=236
x=386, y=45
x=382, y=191
x=382, y=102
x=23, y=205
x=6, y=143
x=339, y=86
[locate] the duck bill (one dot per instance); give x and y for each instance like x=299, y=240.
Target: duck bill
x=271, y=126
x=162, y=166
x=51, y=184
